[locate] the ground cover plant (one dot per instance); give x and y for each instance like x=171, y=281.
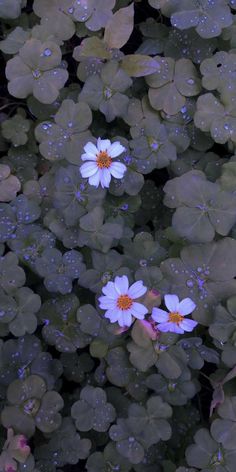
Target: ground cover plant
x=118, y=236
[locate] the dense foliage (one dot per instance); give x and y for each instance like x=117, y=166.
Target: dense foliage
x=117, y=220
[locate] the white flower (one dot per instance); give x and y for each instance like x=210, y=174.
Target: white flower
x=119, y=301
x=100, y=166
x=175, y=320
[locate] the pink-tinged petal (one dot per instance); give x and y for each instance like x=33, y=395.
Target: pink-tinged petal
x=95, y=179
x=103, y=144
x=105, y=178
x=90, y=149
x=122, y=284
x=110, y=291
x=188, y=325
x=117, y=170
x=115, y=149
x=85, y=157
x=160, y=316
x=139, y=310
x=112, y=315
x=186, y=306
x=172, y=302
x=148, y=329
x=88, y=168
x=137, y=289
x=106, y=303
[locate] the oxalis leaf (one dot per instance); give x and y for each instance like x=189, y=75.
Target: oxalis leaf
x=119, y=27
x=139, y=65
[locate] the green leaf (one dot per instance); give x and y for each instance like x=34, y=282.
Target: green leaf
x=138, y=65
x=119, y=28
x=91, y=47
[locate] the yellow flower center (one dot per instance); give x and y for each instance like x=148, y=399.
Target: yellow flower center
x=124, y=302
x=103, y=160
x=175, y=317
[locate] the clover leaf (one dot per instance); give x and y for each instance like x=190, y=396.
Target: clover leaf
x=202, y=208
x=104, y=91
x=30, y=406
x=92, y=410
x=178, y=79
x=36, y=70
x=16, y=128
x=208, y=18
x=59, y=270
x=65, y=138
x=95, y=13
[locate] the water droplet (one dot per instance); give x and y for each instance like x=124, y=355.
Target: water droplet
x=189, y=283
x=70, y=10
x=143, y=262
x=190, y=82
x=36, y=73
x=47, y=52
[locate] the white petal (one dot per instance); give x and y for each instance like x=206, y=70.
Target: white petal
x=105, y=178
x=186, y=306
x=115, y=149
x=88, y=168
x=170, y=327
x=122, y=284
x=86, y=157
x=139, y=310
x=175, y=328
x=137, y=289
x=106, y=303
x=164, y=327
x=125, y=318
x=172, y=302
x=95, y=179
x=188, y=325
x=112, y=315
x=90, y=149
x=103, y=144
x=117, y=170
x=110, y=290
x=160, y=316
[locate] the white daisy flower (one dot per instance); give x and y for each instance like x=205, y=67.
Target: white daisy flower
x=174, y=320
x=119, y=301
x=100, y=166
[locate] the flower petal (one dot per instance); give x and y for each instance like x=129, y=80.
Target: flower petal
x=188, y=325
x=139, y=310
x=115, y=149
x=88, y=168
x=103, y=144
x=117, y=170
x=86, y=157
x=186, y=306
x=90, y=149
x=170, y=327
x=125, y=318
x=160, y=316
x=106, y=303
x=110, y=291
x=137, y=289
x=95, y=179
x=105, y=178
x=122, y=284
x=171, y=302
x=112, y=315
